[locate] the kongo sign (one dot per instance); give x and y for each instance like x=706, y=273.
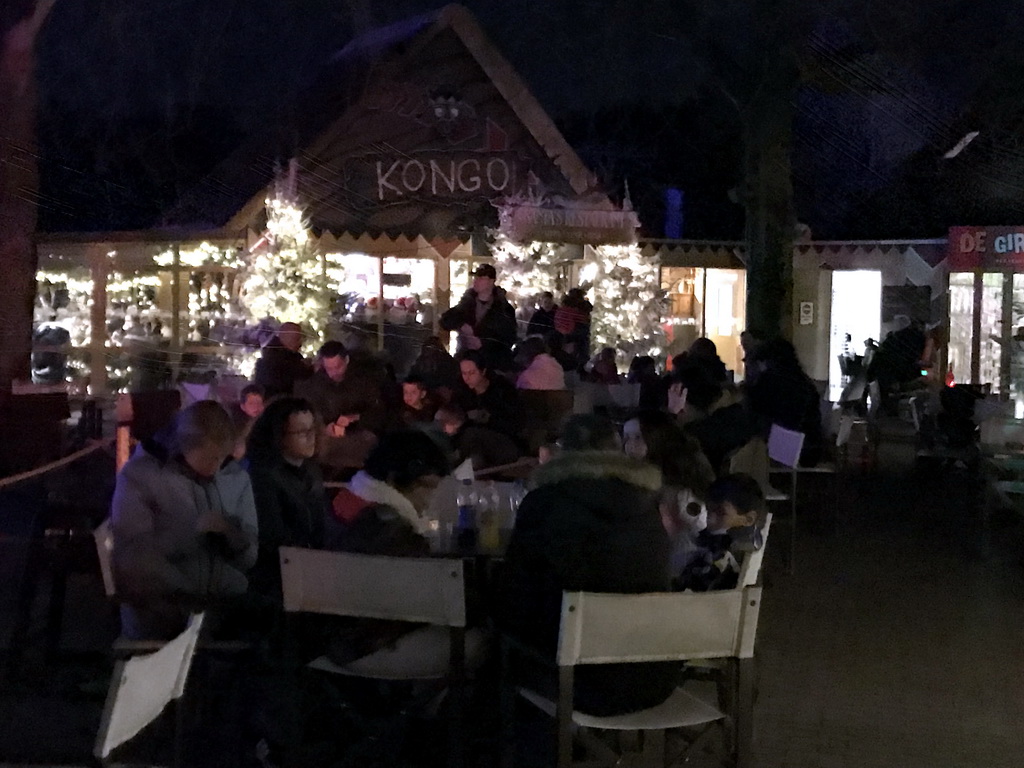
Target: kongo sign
x=447, y=174
x=992, y=248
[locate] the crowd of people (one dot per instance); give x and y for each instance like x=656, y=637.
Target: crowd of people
x=200, y=511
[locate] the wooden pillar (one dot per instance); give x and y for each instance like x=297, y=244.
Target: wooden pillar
x=979, y=292
x=99, y=269
x=175, y=352
x=380, y=303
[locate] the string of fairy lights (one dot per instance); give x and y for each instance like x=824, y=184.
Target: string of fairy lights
x=229, y=291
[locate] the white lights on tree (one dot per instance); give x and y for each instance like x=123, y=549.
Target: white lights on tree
x=629, y=304
x=284, y=279
x=528, y=269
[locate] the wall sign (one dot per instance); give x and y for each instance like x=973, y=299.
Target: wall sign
x=986, y=248
x=806, y=313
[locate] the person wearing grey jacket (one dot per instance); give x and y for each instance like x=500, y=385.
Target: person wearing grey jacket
x=184, y=524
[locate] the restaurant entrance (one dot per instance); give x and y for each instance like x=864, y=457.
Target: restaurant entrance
x=986, y=310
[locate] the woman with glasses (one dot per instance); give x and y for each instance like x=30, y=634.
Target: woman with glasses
x=289, y=490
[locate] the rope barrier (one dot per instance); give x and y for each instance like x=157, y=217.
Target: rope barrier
x=70, y=459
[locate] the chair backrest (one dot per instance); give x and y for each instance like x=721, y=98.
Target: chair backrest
x=785, y=445
x=752, y=459
x=845, y=430
x=421, y=589
x=193, y=393
x=751, y=569
x=599, y=628
x=142, y=686
x=104, y=536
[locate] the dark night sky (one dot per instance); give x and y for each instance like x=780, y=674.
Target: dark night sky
x=139, y=99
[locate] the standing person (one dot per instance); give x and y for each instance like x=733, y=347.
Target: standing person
x=572, y=320
x=484, y=320
x=542, y=322
x=592, y=524
x=281, y=364
x=184, y=524
x=289, y=491
x=488, y=400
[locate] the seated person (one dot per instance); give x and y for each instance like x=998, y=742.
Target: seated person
x=644, y=371
x=604, y=369
x=288, y=485
x=484, y=446
x=539, y=369
x=349, y=405
x=733, y=502
x=184, y=524
x=381, y=513
x=487, y=399
x=591, y=523
x=251, y=400
x=782, y=393
x=712, y=414
x=281, y=364
x=437, y=369
x=417, y=405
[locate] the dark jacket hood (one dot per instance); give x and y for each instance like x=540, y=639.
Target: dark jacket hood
x=598, y=465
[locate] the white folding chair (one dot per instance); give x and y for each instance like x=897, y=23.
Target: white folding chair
x=784, y=447
x=410, y=589
x=142, y=687
x=598, y=628
x=103, y=534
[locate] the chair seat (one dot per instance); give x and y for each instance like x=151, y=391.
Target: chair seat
x=824, y=468
x=420, y=655
x=124, y=646
x=680, y=710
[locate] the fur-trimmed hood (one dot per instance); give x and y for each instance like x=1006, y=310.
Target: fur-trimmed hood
x=598, y=465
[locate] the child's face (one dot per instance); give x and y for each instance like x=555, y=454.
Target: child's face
x=728, y=517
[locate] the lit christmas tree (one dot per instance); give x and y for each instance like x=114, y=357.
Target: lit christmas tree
x=629, y=304
x=284, y=280
x=527, y=270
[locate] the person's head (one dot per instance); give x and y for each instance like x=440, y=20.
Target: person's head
x=733, y=501
x=450, y=418
x=288, y=429
x=290, y=336
x=703, y=348
x=484, y=277
x=333, y=360
x=777, y=354
x=642, y=367
x=414, y=392
x=590, y=432
x=702, y=390
x=411, y=463
x=474, y=370
x=607, y=355
x=655, y=437
x=203, y=436
x=251, y=400
x=529, y=348
x=574, y=298
x=546, y=301
x=243, y=426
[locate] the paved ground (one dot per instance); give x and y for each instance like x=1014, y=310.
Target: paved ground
x=893, y=645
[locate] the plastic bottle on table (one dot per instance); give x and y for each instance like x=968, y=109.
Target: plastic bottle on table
x=466, y=526
x=490, y=518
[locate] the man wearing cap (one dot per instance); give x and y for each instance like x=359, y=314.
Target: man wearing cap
x=484, y=319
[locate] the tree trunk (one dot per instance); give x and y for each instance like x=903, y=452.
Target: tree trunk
x=19, y=186
x=770, y=218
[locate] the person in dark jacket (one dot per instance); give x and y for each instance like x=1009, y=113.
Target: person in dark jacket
x=184, y=524
x=290, y=500
x=591, y=523
x=484, y=320
x=542, y=321
x=487, y=399
x=281, y=364
x=437, y=369
x=782, y=393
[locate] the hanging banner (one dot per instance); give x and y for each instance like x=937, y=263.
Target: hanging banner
x=992, y=248
x=530, y=223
